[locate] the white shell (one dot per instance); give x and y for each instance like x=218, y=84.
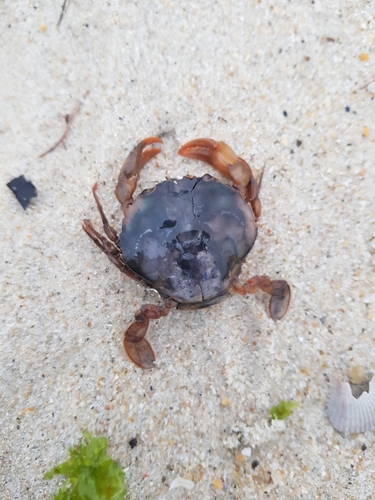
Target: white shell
x=348, y=414
x=246, y=452
x=180, y=481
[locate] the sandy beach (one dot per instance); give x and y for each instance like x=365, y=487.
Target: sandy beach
x=286, y=86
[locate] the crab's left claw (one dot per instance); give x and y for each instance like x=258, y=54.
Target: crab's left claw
x=130, y=170
x=221, y=157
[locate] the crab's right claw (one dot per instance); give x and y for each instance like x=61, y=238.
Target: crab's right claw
x=216, y=154
x=280, y=299
x=137, y=347
x=200, y=149
x=221, y=157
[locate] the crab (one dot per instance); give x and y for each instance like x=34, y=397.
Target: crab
x=186, y=238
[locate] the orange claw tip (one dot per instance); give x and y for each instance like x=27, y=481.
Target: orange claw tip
x=197, y=147
x=201, y=149
x=150, y=140
x=279, y=305
x=148, y=154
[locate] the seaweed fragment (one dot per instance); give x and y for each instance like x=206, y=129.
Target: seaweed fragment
x=282, y=410
x=91, y=472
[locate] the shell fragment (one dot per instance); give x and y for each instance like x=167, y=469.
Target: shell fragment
x=180, y=481
x=349, y=414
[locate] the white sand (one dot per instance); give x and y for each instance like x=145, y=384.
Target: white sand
x=225, y=70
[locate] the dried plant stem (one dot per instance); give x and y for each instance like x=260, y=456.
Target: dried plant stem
x=62, y=12
x=69, y=120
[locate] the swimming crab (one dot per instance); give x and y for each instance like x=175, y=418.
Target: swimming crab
x=185, y=238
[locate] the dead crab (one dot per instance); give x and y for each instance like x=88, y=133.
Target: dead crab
x=186, y=238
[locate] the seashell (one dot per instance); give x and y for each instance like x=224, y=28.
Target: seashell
x=180, y=481
x=246, y=452
x=357, y=374
x=349, y=414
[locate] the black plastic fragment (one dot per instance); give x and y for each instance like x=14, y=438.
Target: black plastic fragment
x=23, y=190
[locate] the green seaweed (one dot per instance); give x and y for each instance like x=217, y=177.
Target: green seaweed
x=282, y=410
x=91, y=473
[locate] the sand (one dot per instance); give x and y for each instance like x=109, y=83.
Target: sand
x=284, y=85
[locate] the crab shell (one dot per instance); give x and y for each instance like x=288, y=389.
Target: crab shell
x=188, y=238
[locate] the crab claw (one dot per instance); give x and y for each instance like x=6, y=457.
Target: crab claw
x=280, y=299
x=142, y=155
x=199, y=149
x=138, y=157
x=221, y=157
x=209, y=151
x=129, y=173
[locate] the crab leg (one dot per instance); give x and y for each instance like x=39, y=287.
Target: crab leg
x=131, y=168
x=221, y=157
x=112, y=247
x=109, y=231
x=136, y=346
x=278, y=289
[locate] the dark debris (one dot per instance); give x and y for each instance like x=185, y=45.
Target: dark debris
x=23, y=190
x=133, y=442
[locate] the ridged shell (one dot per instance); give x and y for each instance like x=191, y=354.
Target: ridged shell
x=348, y=414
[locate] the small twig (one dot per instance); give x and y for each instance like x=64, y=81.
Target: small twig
x=367, y=84
x=62, y=12
x=68, y=119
